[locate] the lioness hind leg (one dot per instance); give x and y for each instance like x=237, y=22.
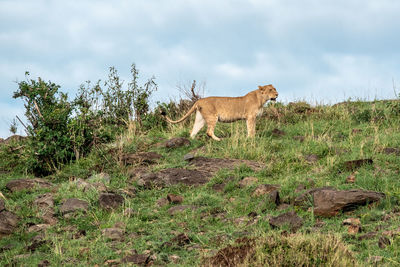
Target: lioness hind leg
x=198, y=124
x=211, y=122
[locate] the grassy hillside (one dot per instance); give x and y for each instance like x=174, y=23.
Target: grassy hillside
x=222, y=222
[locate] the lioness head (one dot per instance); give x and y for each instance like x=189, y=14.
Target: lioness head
x=268, y=92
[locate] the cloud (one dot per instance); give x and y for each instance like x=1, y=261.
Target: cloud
x=318, y=49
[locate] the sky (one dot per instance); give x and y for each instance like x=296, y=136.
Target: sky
x=314, y=50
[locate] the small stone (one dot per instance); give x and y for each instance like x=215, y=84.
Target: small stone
x=110, y=200
x=368, y=235
x=44, y=263
x=74, y=204
x=289, y=218
x=8, y=222
x=177, y=142
x=28, y=184
x=139, y=259
x=174, y=199
x=355, y=164
x=383, y=242
x=278, y=133
x=391, y=150
x=312, y=158
x=268, y=189
x=177, y=209
x=188, y=157
x=181, y=240
x=115, y=234
x=44, y=201
x=162, y=202
x=38, y=228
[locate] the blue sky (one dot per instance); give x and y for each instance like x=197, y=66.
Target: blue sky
x=319, y=51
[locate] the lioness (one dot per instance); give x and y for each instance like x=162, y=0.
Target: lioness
x=228, y=109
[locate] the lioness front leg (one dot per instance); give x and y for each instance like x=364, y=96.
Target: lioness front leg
x=251, y=126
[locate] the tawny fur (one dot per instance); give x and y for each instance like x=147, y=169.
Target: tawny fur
x=228, y=109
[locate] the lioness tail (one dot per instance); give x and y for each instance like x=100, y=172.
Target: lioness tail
x=192, y=109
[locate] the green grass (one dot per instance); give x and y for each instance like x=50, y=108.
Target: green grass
x=222, y=217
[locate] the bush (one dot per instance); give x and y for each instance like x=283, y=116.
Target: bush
x=61, y=131
x=48, y=113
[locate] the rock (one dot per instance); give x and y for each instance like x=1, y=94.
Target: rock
x=392, y=150
x=177, y=209
x=110, y=200
x=2, y=205
x=37, y=241
x=328, y=202
x=143, y=158
x=383, y=242
x=135, y=172
x=115, y=234
x=173, y=176
x=162, y=202
x=8, y=222
x=181, y=240
x=28, y=184
x=86, y=186
x=368, y=235
x=311, y=158
x=268, y=189
x=174, y=199
x=205, y=168
x=248, y=181
x=213, y=165
x=188, y=157
x=177, y=142
x=38, y=228
x=74, y=204
x=44, y=263
x=130, y=191
x=48, y=217
x=139, y=259
x=289, y=218
x=44, y=202
x=278, y=133
x=305, y=198
x=355, y=164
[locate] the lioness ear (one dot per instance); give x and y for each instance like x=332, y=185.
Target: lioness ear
x=262, y=88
